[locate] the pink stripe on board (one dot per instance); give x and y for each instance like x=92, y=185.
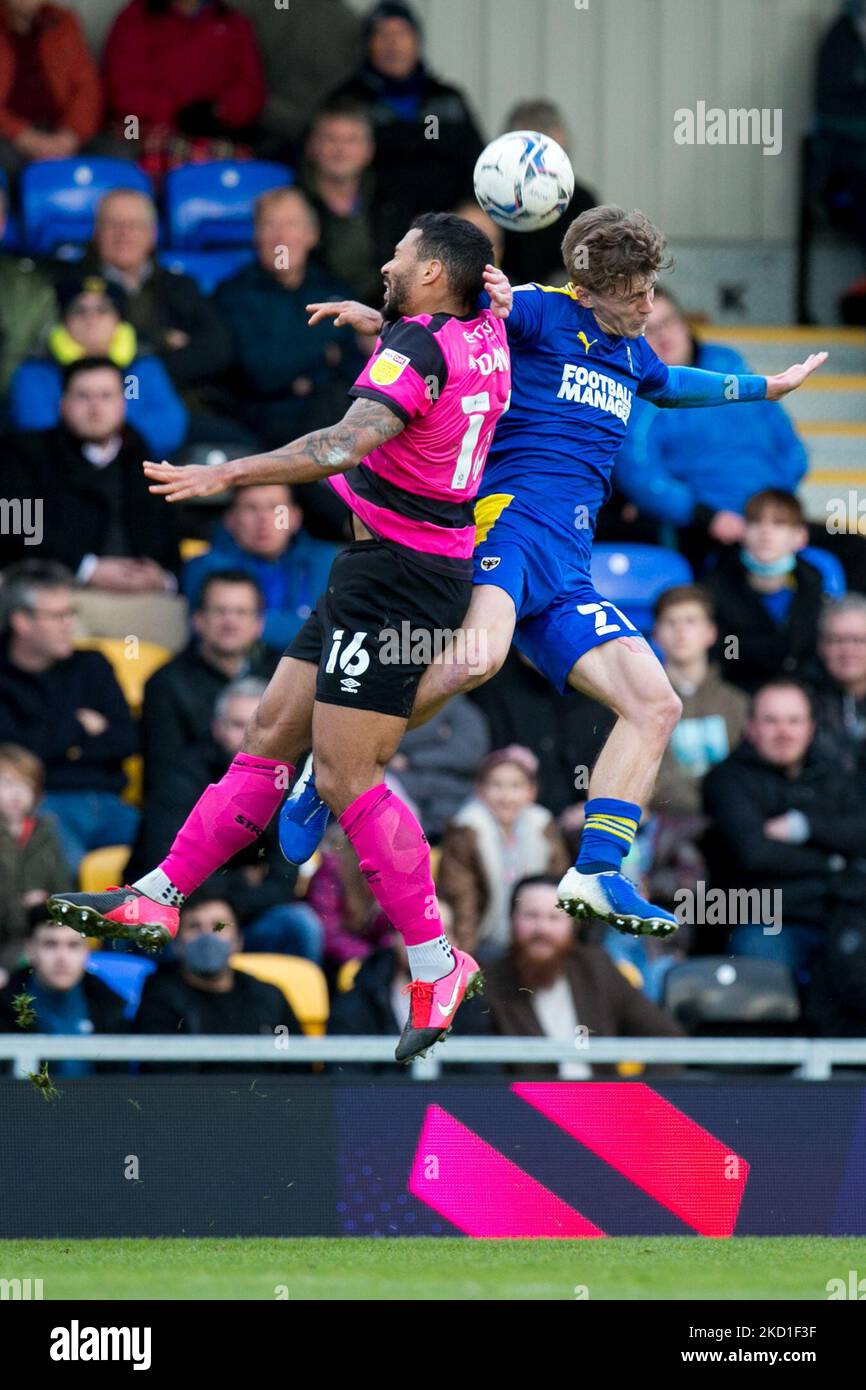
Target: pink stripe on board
x=654, y=1145
x=482, y=1192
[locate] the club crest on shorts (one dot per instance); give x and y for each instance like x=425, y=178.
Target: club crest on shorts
x=490, y=562
x=389, y=365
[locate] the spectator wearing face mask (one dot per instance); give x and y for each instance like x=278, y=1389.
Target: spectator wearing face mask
x=200, y=994
x=767, y=598
x=499, y=836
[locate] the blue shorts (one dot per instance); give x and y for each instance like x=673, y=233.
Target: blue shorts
x=560, y=613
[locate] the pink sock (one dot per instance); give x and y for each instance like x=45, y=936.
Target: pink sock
x=228, y=816
x=394, y=856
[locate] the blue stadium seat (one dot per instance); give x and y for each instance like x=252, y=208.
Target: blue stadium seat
x=212, y=204
x=633, y=577
x=59, y=198
x=124, y=973
x=829, y=567
x=207, y=268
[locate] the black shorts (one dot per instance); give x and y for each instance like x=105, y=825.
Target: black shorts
x=378, y=626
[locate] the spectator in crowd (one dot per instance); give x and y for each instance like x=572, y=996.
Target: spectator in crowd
x=840, y=696
x=66, y=998
x=407, y=104
x=714, y=711
x=436, y=763
x=67, y=708
x=50, y=95
x=28, y=307
x=675, y=465
x=498, y=837
x=552, y=984
x=179, y=699
x=92, y=325
x=307, y=51
x=286, y=377
x=767, y=598
x=565, y=732
x=170, y=315
x=786, y=823
x=190, y=73
x=32, y=865
x=353, y=924
x=537, y=255
x=336, y=176
x=262, y=535
x=840, y=102
x=200, y=994
x=258, y=880
x=91, y=505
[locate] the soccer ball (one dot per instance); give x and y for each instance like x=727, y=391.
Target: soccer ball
x=524, y=180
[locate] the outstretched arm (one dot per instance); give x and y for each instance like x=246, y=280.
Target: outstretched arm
x=335, y=449
x=691, y=386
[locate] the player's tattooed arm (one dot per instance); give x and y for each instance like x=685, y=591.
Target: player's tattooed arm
x=339, y=447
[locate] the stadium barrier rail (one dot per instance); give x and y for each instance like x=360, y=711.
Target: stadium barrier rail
x=814, y=1058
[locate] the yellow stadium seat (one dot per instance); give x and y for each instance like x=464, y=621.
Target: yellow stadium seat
x=435, y=860
x=346, y=974
x=301, y=981
x=133, y=766
x=190, y=548
x=635, y=978
x=132, y=660
x=103, y=868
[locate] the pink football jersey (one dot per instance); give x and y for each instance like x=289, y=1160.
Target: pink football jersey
x=449, y=380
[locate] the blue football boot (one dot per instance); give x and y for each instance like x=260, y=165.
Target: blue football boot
x=303, y=820
x=613, y=898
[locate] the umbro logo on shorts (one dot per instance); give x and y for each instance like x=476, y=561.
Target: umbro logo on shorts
x=349, y=685
x=490, y=562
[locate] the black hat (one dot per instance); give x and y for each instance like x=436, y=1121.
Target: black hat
x=75, y=285
x=388, y=10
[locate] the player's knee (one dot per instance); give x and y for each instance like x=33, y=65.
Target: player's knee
x=477, y=664
x=658, y=711
x=339, y=784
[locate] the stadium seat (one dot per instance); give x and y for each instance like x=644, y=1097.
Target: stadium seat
x=124, y=973
x=133, y=666
x=633, y=577
x=732, y=994
x=211, y=205
x=103, y=868
x=300, y=980
x=133, y=792
x=346, y=974
x=207, y=268
x=829, y=567
x=59, y=198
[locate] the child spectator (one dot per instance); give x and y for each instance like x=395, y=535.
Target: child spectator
x=32, y=865
x=499, y=836
x=767, y=598
x=92, y=325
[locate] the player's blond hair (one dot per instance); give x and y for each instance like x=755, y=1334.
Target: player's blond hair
x=606, y=246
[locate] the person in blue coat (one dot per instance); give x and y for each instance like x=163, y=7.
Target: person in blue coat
x=261, y=534
x=92, y=325
x=698, y=468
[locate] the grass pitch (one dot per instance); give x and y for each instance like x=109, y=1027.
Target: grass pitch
x=762, y=1268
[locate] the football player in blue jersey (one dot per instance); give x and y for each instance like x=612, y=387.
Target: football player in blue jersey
x=578, y=359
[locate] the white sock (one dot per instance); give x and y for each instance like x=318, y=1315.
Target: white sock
x=159, y=889
x=432, y=960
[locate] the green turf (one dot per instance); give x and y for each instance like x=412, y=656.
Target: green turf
x=642, y=1268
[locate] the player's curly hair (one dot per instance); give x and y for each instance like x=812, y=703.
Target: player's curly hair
x=607, y=246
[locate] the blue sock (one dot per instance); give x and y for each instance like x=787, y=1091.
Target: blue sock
x=608, y=833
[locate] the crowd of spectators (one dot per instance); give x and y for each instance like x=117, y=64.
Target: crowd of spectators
x=762, y=786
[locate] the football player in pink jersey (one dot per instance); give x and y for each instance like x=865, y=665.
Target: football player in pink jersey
x=407, y=458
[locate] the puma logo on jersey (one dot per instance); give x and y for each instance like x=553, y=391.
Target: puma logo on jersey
x=582, y=338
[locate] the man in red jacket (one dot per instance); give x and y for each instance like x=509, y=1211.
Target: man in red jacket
x=50, y=93
x=191, y=74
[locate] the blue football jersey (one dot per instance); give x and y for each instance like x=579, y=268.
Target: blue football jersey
x=571, y=397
